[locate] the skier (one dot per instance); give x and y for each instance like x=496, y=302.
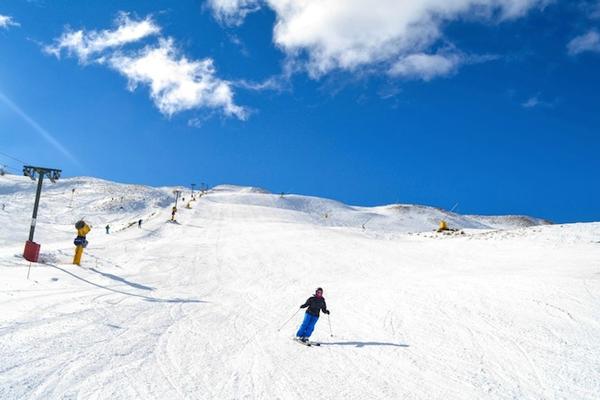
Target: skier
x=314, y=306
x=140, y=224
x=107, y=229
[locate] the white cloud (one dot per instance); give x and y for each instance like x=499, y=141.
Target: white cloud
x=6, y=21
x=176, y=83
x=232, y=12
x=587, y=42
x=277, y=83
x=426, y=66
x=350, y=34
x=532, y=102
x=536, y=102
x=86, y=44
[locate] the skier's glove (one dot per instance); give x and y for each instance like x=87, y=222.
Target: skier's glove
x=326, y=312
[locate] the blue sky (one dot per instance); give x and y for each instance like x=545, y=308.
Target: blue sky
x=491, y=105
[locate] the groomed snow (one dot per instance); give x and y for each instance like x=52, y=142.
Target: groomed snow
x=192, y=310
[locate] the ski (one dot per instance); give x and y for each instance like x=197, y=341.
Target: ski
x=307, y=343
x=301, y=342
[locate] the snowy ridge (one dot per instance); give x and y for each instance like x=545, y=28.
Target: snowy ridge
x=193, y=310
x=102, y=202
x=397, y=217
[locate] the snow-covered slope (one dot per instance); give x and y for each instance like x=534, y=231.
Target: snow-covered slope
x=101, y=202
x=192, y=310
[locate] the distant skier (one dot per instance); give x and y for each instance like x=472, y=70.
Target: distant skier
x=140, y=224
x=107, y=229
x=314, y=305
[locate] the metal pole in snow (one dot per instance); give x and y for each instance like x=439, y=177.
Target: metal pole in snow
x=30, y=171
x=36, y=205
x=286, y=322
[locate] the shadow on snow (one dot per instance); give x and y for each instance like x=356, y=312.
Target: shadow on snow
x=363, y=344
x=123, y=280
x=147, y=298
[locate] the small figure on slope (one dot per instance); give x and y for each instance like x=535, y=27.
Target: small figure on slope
x=140, y=224
x=107, y=229
x=314, y=306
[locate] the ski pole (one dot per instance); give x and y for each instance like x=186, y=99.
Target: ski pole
x=286, y=322
x=329, y=320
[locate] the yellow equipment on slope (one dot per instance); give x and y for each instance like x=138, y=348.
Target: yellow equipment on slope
x=80, y=241
x=443, y=226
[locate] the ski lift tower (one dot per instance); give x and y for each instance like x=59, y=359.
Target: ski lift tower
x=32, y=249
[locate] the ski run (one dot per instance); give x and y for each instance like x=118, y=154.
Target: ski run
x=507, y=309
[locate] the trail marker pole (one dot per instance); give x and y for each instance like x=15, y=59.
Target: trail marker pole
x=72, y=195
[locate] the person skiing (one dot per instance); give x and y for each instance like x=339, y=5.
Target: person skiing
x=107, y=229
x=140, y=224
x=314, y=305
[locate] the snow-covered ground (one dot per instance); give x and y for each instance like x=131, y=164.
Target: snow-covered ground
x=509, y=310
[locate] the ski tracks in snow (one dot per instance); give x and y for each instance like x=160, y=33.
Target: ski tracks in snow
x=413, y=318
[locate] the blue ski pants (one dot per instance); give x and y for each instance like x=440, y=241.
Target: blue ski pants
x=308, y=325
